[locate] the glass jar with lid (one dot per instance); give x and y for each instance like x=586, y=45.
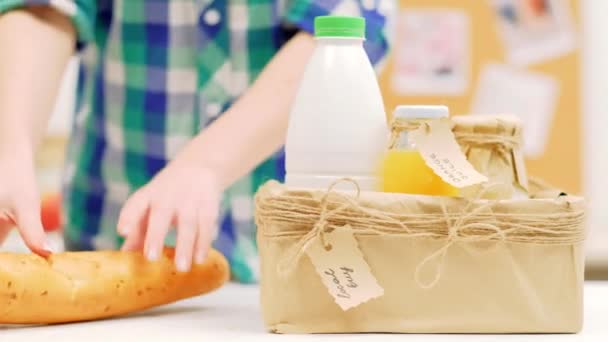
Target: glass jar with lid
x=404, y=170
x=493, y=145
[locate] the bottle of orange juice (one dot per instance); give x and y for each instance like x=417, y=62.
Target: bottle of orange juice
x=403, y=169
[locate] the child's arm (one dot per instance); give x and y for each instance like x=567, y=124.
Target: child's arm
x=256, y=125
x=36, y=45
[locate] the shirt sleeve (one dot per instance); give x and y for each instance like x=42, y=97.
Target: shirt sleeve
x=82, y=13
x=377, y=14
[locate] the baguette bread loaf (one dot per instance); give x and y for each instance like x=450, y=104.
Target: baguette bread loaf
x=82, y=286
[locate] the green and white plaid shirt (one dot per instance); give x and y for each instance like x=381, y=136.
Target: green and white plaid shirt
x=153, y=74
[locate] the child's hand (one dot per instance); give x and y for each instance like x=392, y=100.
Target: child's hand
x=183, y=196
x=20, y=202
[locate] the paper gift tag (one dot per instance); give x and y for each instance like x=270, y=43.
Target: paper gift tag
x=441, y=152
x=343, y=269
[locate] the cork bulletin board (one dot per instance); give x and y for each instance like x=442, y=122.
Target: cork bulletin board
x=476, y=30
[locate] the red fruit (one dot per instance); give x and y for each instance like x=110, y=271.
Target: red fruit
x=50, y=212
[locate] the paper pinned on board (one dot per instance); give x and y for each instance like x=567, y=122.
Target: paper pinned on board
x=530, y=96
x=533, y=31
x=433, y=54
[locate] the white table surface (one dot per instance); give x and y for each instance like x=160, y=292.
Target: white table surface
x=232, y=313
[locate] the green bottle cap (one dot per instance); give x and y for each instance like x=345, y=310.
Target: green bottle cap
x=339, y=26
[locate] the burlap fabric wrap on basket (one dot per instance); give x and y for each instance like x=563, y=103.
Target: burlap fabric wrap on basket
x=447, y=265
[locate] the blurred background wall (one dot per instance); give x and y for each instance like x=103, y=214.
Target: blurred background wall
x=594, y=92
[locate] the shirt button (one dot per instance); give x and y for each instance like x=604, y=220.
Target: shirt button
x=213, y=109
x=81, y=115
x=212, y=17
x=369, y=5
x=68, y=175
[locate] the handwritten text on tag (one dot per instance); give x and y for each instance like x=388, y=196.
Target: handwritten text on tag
x=343, y=269
x=441, y=152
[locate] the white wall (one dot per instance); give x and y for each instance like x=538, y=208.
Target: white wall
x=595, y=126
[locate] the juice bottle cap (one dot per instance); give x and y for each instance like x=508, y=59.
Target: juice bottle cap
x=421, y=112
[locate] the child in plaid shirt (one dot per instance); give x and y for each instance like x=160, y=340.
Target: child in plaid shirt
x=182, y=111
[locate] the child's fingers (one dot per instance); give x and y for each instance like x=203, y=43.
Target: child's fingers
x=186, y=237
x=203, y=241
x=159, y=220
x=133, y=213
x=206, y=233
x=7, y=223
x=134, y=240
x=5, y=229
x=27, y=218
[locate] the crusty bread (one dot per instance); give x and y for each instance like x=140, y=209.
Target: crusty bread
x=82, y=286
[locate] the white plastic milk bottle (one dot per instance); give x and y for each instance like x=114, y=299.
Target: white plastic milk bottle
x=337, y=126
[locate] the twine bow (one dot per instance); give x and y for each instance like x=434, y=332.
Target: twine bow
x=454, y=235
x=295, y=252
